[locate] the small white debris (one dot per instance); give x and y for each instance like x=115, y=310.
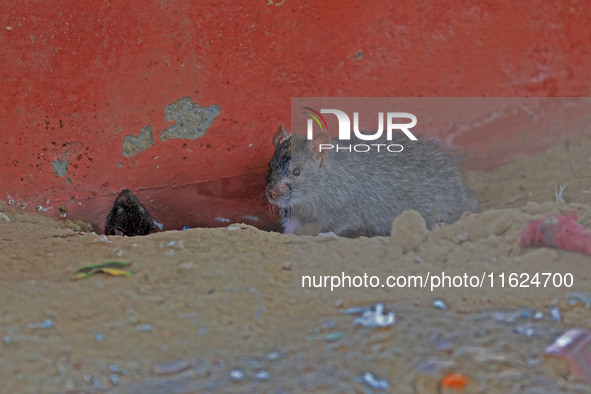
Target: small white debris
x=439, y=304
x=103, y=238
x=159, y=225
x=355, y=310
x=236, y=374
x=555, y=313
x=525, y=313
x=563, y=341
x=262, y=375
x=273, y=356
x=96, y=383
x=373, y=382
x=221, y=219
x=171, y=243
x=47, y=323
x=375, y=317
x=4, y=217
x=528, y=332
x=559, y=193
x=329, y=234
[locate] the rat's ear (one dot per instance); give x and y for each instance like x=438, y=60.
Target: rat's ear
x=280, y=135
x=315, y=145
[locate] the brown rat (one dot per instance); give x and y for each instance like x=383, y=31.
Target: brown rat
x=129, y=217
x=360, y=193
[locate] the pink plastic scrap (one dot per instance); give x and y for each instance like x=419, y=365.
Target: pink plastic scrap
x=561, y=232
x=574, y=347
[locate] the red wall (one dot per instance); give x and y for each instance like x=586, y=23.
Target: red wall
x=78, y=76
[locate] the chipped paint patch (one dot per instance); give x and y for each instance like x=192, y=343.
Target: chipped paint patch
x=60, y=167
x=133, y=145
x=192, y=120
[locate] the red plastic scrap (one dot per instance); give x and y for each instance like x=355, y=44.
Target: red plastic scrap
x=574, y=346
x=455, y=381
x=561, y=232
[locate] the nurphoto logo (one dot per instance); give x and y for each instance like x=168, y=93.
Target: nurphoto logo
x=344, y=122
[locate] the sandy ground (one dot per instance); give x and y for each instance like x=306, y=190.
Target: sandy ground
x=226, y=302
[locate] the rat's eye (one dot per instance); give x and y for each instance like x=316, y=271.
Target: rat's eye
x=295, y=172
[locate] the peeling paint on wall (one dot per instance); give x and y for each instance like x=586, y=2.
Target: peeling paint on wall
x=60, y=167
x=192, y=120
x=133, y=145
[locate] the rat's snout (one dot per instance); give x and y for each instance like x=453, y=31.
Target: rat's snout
x=278, y=190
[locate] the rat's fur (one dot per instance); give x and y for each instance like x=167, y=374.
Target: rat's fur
x=129, y=217
x=360, y=194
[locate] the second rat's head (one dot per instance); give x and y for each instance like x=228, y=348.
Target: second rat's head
x=295, y=171
x=128, y=216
